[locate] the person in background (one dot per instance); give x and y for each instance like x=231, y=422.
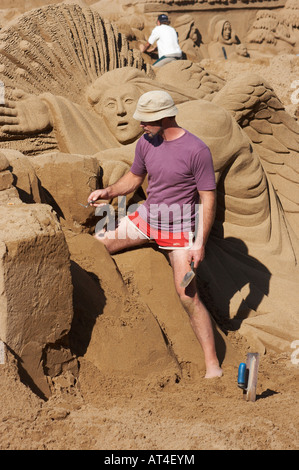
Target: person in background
x=167, y=42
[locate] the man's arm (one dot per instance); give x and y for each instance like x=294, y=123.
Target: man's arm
x=207, y=212
x=147, y=47
x=125, y=185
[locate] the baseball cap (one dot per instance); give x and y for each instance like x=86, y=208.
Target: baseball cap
x=162, y=18
x=155, y=105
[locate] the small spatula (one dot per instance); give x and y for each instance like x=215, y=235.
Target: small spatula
x=188, y=276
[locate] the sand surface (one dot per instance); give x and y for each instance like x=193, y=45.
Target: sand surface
x=114, y=413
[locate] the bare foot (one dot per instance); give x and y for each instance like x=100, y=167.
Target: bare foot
x=213, y=372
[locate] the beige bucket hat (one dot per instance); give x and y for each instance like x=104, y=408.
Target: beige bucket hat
x=154, y=105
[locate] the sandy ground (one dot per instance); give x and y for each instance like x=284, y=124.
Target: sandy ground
x=117, y=413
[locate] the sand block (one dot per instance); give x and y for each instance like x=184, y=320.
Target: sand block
x=113, y=328
x=6, y=180
x=23, y=176
x=151, y=276
x=66, y=181
x=4, y=163
x=35, y=287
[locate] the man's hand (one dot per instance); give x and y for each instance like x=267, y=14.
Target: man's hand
x=24, y=114
x=142, y=47
x=196, y=254
x=147, y=47
x=99, y=195
x=127, y=184
x=206, y=214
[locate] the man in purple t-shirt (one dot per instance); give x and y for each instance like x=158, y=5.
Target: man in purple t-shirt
x=180, y=174
x=177, y=171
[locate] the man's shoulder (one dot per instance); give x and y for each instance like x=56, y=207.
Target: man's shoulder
x=155, y=31
x=156, y=28
x=166, y=27
x=195, y=140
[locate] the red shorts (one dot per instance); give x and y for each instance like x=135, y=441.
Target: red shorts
x=165, y=239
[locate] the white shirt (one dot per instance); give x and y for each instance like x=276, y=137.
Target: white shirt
x=167, y=41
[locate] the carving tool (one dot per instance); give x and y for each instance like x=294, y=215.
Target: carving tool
x=103, y=201
x=188, y=276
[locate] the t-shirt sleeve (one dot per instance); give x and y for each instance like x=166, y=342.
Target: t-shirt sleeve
x=138, y=167
x=203, y=170
x=154, y=36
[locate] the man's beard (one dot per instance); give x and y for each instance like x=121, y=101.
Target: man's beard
x=152, y=135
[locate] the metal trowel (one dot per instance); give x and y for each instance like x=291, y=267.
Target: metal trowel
x=188, y=276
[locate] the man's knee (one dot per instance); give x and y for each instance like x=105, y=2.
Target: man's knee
x=124, y=237
x=188, y=301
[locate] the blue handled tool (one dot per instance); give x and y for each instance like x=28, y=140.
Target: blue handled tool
x=242, y=375
x=247, y=376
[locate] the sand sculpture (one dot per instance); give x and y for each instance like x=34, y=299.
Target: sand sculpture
x=224, y=41
x=220, y=41
x=68, y=55
x=189, y=37
x=34, y=261
x=276, y=31
x=110, y=307
x=127, y=4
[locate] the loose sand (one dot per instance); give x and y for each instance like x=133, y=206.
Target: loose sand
x=108, y=413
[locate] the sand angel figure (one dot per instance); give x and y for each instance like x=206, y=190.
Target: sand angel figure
x=59, y=61
x=250, y=271
x=250, y=267
x=103, y=119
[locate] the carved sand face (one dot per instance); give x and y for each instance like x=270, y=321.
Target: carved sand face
x=118, y=105
x=227, y=30
x=193, y=33
x=242, y=50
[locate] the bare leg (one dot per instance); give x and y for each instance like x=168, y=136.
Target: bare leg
x=198, y=314
x=125, y=236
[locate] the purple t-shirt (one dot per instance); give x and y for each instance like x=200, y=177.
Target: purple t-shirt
x=176, y=170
